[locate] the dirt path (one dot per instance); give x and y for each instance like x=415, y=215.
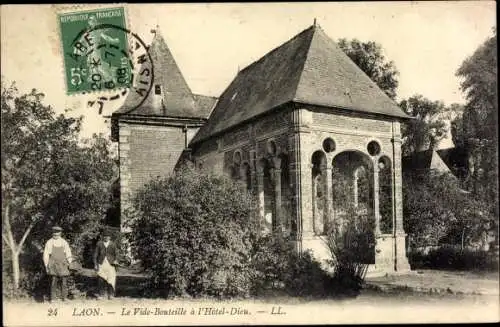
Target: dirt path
x=369, y=307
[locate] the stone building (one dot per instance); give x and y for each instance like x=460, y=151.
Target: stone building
x=290, y=127
x=153, y=136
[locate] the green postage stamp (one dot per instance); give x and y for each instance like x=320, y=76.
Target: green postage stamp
x=95, y=50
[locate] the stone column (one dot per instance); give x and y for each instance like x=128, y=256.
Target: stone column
x=253, y=169
x=294, y=157
x=376, y=200
x=329, y=190
x=401, y=261
x=260, y=192
x=355, y=188
x=277, y=200
x=306, y=194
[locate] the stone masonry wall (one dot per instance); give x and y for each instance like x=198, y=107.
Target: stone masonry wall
x=147, y=152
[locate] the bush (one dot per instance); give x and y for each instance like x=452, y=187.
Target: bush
x=194, y=232
x=351, y=242
x=453, y=258
x=435, y=208
x=277, y=266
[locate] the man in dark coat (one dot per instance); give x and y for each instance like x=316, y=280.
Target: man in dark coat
x=105, y=260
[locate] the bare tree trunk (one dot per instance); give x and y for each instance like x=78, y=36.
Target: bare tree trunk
x=16, y=274
x=15, y=249
x=463, y=238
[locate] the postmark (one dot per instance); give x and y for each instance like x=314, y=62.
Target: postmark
x=102, y=56
x=140, y=77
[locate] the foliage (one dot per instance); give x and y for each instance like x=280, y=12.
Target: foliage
x=194, y=232
x=49, y=177
x=480, y=85
x=427, y=129
x=277, y=266
x=447, y=257
x=477, y=128
x=370, y=58
x=350, y=240
x=434, y=206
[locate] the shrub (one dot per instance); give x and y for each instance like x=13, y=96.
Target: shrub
x=435, y=208
x=270, y=262
x=306, y=277
x=351, y=242
x=194, y=232
x=453, y=258
x=277, y=266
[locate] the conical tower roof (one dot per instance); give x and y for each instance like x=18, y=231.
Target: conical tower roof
x=170, y=95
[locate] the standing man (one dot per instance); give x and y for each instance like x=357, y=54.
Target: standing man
x=57, y=257
x=105, y=260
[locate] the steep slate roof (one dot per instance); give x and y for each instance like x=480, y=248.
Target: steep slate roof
x=456, y=159
x=309, y=69
x=425, y=160
x=177, y=99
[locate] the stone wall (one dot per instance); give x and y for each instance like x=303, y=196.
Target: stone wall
x=148, y=151
x=352, y=133
x=294, y=134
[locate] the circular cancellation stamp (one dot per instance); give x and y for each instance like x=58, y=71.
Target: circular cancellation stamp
x=102, y=56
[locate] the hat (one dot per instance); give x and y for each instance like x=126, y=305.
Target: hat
x=106, y=232
x=56, y=229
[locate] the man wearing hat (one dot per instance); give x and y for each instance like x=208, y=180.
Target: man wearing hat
x=105, y=260
x=57, y=257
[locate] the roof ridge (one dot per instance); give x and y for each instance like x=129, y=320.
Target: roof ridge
x=314, y=27
x=296, y=36
x=353, y=64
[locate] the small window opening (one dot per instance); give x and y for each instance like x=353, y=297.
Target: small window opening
x=157, y=89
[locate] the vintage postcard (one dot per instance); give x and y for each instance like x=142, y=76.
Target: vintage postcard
x=249, y=163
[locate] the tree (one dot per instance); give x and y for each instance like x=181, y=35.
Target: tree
x=428, y=126
x=436, y=209
x=48, y=176
x=478, y=127
x=195, y=232
x=370, y=58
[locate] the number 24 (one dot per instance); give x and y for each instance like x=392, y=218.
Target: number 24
x=52, y=312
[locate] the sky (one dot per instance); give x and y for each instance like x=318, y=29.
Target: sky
x=427, y=41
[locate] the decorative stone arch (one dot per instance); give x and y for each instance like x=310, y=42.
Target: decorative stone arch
x=237, y=157
x=354, y=189
x=320, y=195
x=272, y=148
x=266, y=194
x=349, y=166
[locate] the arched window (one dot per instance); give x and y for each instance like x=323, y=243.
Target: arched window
x=286, y=196
x=386, y=196
x=267, y=195
x=246, y=176
x=318, y=175
x=353, y=202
